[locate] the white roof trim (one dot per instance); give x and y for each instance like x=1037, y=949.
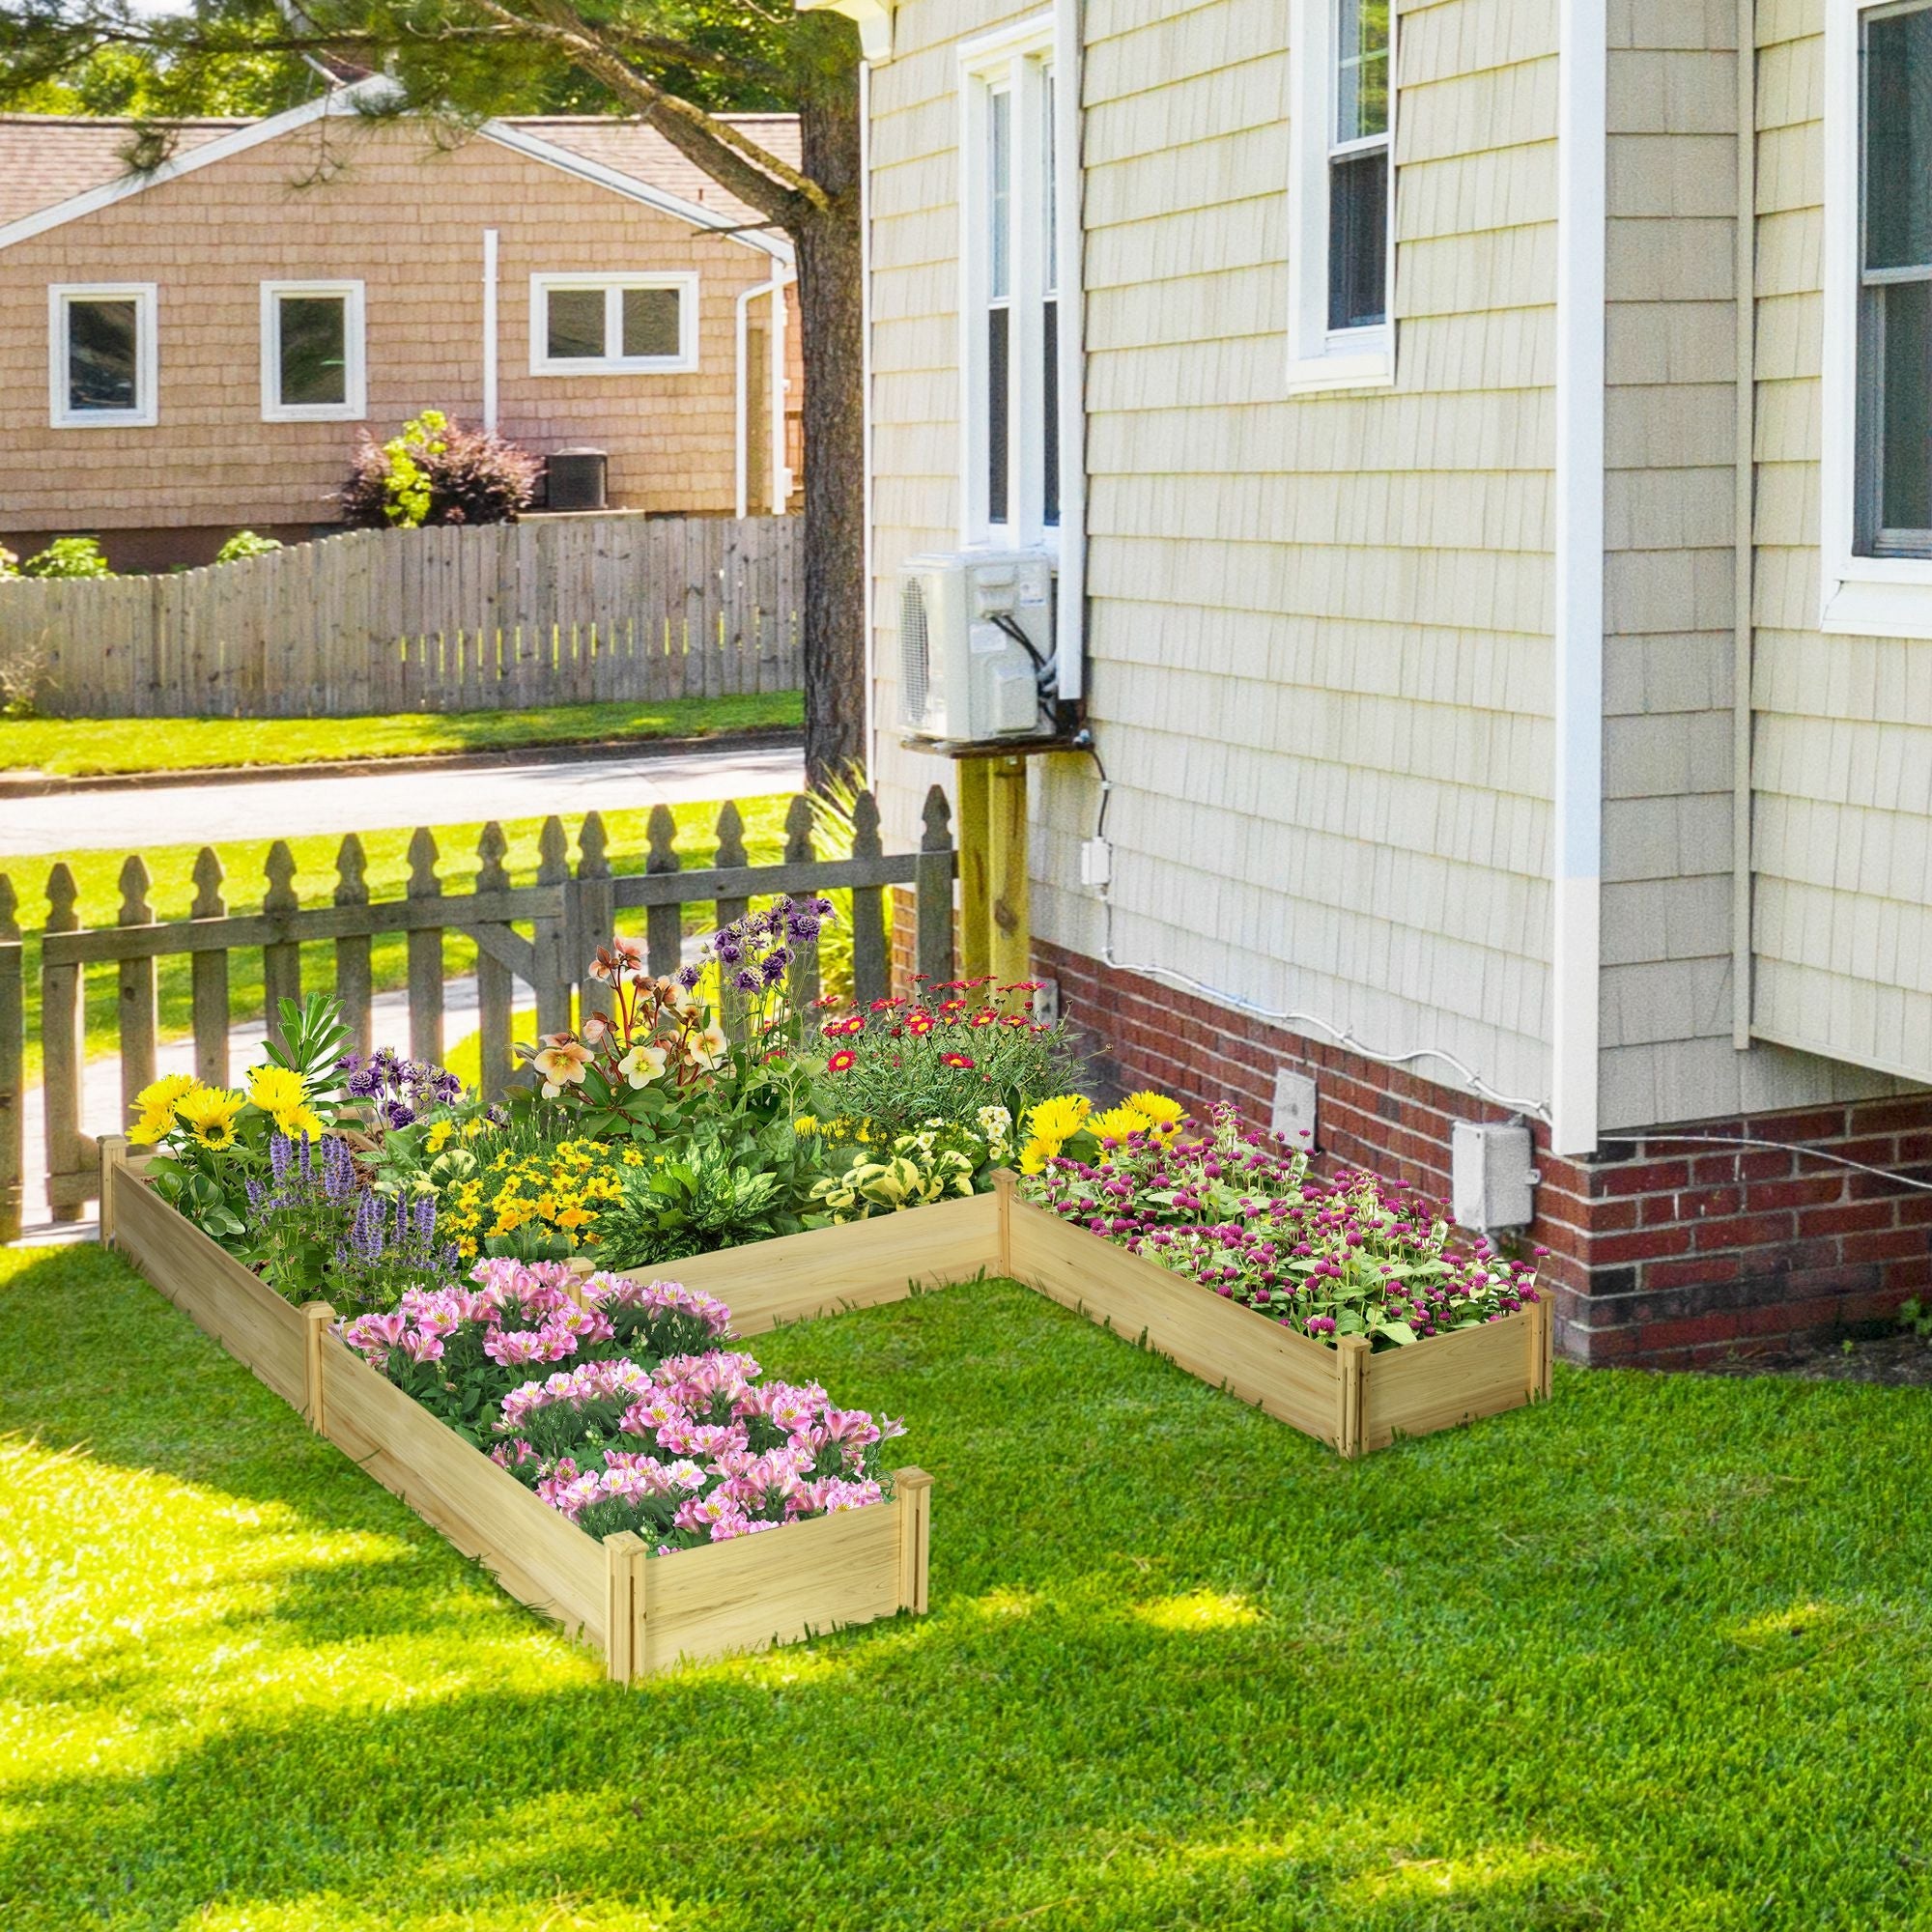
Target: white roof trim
x=339, y=100
x=520, y=141
x=342, y=100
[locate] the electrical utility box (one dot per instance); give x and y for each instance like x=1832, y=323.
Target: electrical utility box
x=1493, y=1175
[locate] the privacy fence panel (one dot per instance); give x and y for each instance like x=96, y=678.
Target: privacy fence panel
x=503, y=616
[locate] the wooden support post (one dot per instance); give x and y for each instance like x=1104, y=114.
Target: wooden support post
x=63, y=1055
x=495, y=984
x=975, y=948
x=871, y=971
x=317, y=1318
x=12, y=1063
x=800, y=827
x=664, y=924
x=354, y=974
x=731, y=856
x=136, y=990
x=1003, y=1189
x=425, y=955
x=1541, y=1332
x=281, y=959
x=1010, y=911
x=593, y=914
x=209, y=975
x=626, y=1600
x=1352, y=1381
x=933, y=892
x=557, y=973
x=913, y=1491
x=113, y=1176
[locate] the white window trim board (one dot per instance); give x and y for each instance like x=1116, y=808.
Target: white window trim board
x=1320, y=358
x=357, y=385
x=613, y=283
x=147, y=355
x=1859, y=596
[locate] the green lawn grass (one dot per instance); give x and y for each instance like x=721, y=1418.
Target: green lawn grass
x=84, y=747
x=1651, y=1659
x=171, y=894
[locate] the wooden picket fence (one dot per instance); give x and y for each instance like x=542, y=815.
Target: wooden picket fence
x=543, y=935
x=561, y=610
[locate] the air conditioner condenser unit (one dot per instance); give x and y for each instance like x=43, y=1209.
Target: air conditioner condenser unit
x=977, y=646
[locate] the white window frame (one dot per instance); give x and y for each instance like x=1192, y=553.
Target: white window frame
x=1018, y=59
x=146, y=412
x=1321, y=359
x=355, y=386
x=1860, y=596
x=614, y=285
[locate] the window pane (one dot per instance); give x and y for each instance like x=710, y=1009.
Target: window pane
x=576, y=324
x=651, y=322
x=1050, y=428
x=1906, y=468
x=1358, y=240
x=999, y=408
x=1361, y=69
x=1898, y=140
x=102, y=355
x=1000, y=195
x=315, y=349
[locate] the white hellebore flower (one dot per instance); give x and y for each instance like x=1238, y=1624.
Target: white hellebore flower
x=643, y=1063
x=707, y=1046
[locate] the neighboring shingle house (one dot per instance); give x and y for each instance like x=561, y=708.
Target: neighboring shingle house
x=1504, y=578
x=195, y=349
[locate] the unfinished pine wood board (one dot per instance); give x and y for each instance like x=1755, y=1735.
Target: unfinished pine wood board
x=747, y=1595
x=1446, y=1381
x=221, y=1297
x=862, y=1264
x=1231, y=1347
x=540, y=1557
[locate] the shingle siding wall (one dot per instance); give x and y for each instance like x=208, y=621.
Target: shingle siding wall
x=1672, y=336
x=1320, y=657
x=1842, y=751
x=408, y=220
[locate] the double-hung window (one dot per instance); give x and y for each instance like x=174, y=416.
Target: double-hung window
x=102, y=363
x=1877, y=419
x=312, y=353
x=1010, y=308
x=613, y=325
x=1342, y=194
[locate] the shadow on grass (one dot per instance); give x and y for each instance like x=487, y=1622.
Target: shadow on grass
x=1648, y=1658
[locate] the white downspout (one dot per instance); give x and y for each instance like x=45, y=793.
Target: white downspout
x=1575, y=957
x=777, y=386
x=775, y=288
x=490, y=331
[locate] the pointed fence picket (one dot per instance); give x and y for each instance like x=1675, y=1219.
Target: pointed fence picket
x=563, y=611
x=543, y=936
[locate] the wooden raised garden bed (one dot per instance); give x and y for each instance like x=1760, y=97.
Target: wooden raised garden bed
x=1341, y=1396
x=642, y=1615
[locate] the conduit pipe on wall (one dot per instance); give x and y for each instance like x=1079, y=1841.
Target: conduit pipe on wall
x=490, y=331
x=781, y=475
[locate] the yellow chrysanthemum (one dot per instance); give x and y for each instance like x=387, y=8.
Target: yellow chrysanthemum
x=1036, y=1153
x=438, y=1136
x=158, y=1096
x=1059, y=1119
x=150, y=1127
x=1116, y=1124
x=1163, y=1114
x=209, y=1113
x=276, y=1090
x=299, y=1123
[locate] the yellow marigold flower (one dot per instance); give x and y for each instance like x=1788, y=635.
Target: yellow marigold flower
x=1059, y=1119
x=1160, y=1113
x=574, y=1217
x=276, y=1090
x=633, y=1159
x=438, y=1136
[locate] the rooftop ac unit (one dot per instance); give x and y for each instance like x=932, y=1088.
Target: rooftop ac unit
x=976, y=646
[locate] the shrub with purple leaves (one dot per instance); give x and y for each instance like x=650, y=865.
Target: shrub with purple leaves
x=1352, y=1255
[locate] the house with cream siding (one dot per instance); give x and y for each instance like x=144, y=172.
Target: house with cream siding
x=196, y=349
x=1487, y=450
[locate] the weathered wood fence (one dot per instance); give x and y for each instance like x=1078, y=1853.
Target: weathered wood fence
x=543, y=935
x=549, y=611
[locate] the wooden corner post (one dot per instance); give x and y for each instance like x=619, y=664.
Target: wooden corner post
x=113, y=1164
x=1542, y=1331
x=1003, y=1190
x=625, y=1571
x=913, y=1491
x=1352, y=1384
x=318, y=1318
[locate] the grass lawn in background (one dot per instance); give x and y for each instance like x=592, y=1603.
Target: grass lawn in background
x=1650, y=1658
x=171, y=894
x=84, y=747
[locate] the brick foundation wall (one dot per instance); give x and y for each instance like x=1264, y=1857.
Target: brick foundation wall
x=1669, y=1256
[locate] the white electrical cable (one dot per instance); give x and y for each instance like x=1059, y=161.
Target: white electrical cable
x=1776, y=1147
x=1342, y=1035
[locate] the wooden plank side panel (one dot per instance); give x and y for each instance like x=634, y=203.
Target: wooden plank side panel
x=220, y=1297
x=1284, y=1374
x=538, y=1556
x=1446, y=1380
x=863, y=1264
x=756, y=1591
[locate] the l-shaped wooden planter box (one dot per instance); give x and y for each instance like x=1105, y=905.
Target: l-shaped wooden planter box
x=643, y=1614
x=1343, y=1396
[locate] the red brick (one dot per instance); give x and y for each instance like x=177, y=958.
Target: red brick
x=1704, y=1271
x=1850, y=1218
x=1647, y=1179
x=1879, y=1117
x=1643, y=1245
x=1817, y=1191
x=1886, y=1245
x=1745, y=1231
x=1720, y=1327
x=1703, y=1203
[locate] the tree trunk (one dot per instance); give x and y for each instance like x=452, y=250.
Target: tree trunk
x=831, y=296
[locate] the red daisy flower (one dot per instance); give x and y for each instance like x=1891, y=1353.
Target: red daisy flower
x=842, y=1061
x=985, y=1016
x=955, y=1060
x=919, y=1023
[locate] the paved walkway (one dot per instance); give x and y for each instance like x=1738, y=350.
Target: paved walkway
x=286, y=807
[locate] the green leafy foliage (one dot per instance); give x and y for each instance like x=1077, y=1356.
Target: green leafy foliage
x=69, y=556
x=245, y=543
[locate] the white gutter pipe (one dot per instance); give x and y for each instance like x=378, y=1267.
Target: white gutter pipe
x=490, y=331
x=780, y=477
